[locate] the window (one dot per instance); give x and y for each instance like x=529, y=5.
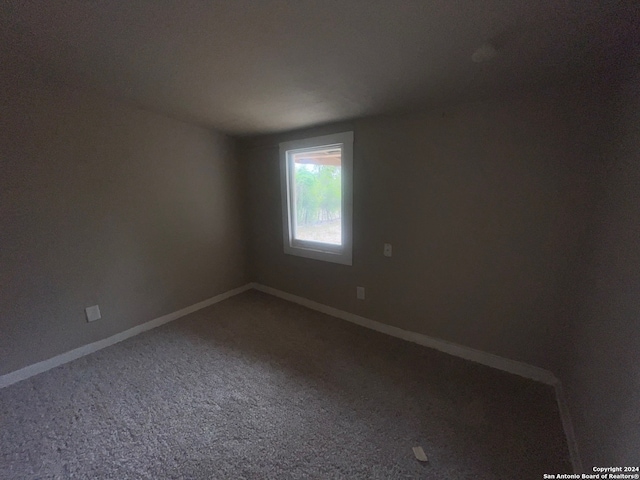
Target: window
x=316, y=176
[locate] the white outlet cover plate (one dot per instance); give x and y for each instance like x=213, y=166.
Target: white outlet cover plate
x=93, y=313
x=360, y=293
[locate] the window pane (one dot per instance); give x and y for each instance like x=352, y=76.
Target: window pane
x=317, y=194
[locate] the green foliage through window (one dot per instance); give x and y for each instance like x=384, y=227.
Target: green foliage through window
x=318, y=193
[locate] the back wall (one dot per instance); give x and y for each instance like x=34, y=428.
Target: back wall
x=483, y=203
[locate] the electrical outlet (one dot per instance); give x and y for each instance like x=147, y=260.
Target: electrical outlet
x=93, y=313
x=360, y=293
x=388, y=250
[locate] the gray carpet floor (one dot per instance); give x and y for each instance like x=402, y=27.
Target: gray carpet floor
x=256, y=387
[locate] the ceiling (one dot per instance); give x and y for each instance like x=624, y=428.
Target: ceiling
x=256, y=66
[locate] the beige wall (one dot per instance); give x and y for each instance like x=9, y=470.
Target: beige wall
x=601, y=371
x=514, y=224
x=484, y=205
x=102, y=203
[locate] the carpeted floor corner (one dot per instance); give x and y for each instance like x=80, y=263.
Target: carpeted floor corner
x=256, y=387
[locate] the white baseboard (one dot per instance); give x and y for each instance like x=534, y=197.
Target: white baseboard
x=569, y=432
x=36, y=368
x=478, y=356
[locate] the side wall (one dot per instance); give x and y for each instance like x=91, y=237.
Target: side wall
x=602, y=370
x=102, y=203
x=483, y=203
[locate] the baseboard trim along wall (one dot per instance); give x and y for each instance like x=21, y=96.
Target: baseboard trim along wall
x=569, y=432
x=40, y=367
x=478, y=356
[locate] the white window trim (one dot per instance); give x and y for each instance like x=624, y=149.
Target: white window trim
x=319, y=251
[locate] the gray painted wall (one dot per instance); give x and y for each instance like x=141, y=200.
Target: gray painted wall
x=102, y=203
x=601, y=371
x=501, y=241
x=484, y=205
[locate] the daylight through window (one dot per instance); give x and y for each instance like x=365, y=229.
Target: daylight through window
x=317, y=194
x=316, y=197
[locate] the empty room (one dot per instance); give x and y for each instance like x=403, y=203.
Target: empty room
x=319, y=239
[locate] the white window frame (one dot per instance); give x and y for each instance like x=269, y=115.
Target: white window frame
x=319, y=251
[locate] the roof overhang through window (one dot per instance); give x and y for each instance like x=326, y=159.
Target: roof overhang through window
x=320, y=156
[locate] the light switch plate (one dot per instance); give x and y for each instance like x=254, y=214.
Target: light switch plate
x=93, y=313
x=388, y=250
x=360, y=293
